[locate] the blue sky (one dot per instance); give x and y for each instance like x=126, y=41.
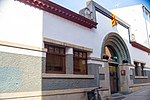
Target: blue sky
x=76, y=5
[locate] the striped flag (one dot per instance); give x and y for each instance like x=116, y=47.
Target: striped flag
x=114, y=21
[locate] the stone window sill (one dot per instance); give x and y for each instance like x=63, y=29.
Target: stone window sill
x=141, y=77
x=66, y=76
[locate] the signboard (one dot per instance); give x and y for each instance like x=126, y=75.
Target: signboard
x=123, y=72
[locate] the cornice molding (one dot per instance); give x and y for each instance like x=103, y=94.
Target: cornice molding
x=21, y=46
x=65, y=44
x=139, y=46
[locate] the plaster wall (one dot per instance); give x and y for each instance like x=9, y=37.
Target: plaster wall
x=148, y=29
x=134, y=16
x=60, y=29
x=20, y=23
x=140, y=55
x=20, y=68
x=104, y=27
x=76, y=34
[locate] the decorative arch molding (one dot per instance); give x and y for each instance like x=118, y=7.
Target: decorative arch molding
x=116, y=43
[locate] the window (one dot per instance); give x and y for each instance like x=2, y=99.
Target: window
x=142, y=69
x=136, y=68
x=55, y=59
x=139, y=69
x=80, y=62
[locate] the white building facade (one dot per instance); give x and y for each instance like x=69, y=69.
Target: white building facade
x=49, y=52
x=139, y=38
x=140, y=22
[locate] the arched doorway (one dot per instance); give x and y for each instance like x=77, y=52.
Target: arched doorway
x=115, y=43
x=115, y=47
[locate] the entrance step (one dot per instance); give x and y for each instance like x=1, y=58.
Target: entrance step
x=117, y=96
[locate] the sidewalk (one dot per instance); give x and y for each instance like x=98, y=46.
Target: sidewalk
x=117, y=96
x=143, y=94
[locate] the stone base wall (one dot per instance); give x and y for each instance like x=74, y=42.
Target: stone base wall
x=140, y=79
x=66, y=94
x=73, y=94
x=139, y=82
x=34, y=95
x=137, y=87
x=76, y=96
x=80, y=81
x=26, y=98
x=19, y=73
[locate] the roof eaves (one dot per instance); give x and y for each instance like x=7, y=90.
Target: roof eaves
x=139, y=46
x=58, y=10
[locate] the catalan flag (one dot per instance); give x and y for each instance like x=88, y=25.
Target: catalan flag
x=114, y=21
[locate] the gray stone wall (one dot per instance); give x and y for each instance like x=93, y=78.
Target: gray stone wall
x=55, y=84
x=140, y=81
x=19, y=73
x=69, y=63
x=93, y=69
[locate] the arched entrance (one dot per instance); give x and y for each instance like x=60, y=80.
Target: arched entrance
x=115, y=47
